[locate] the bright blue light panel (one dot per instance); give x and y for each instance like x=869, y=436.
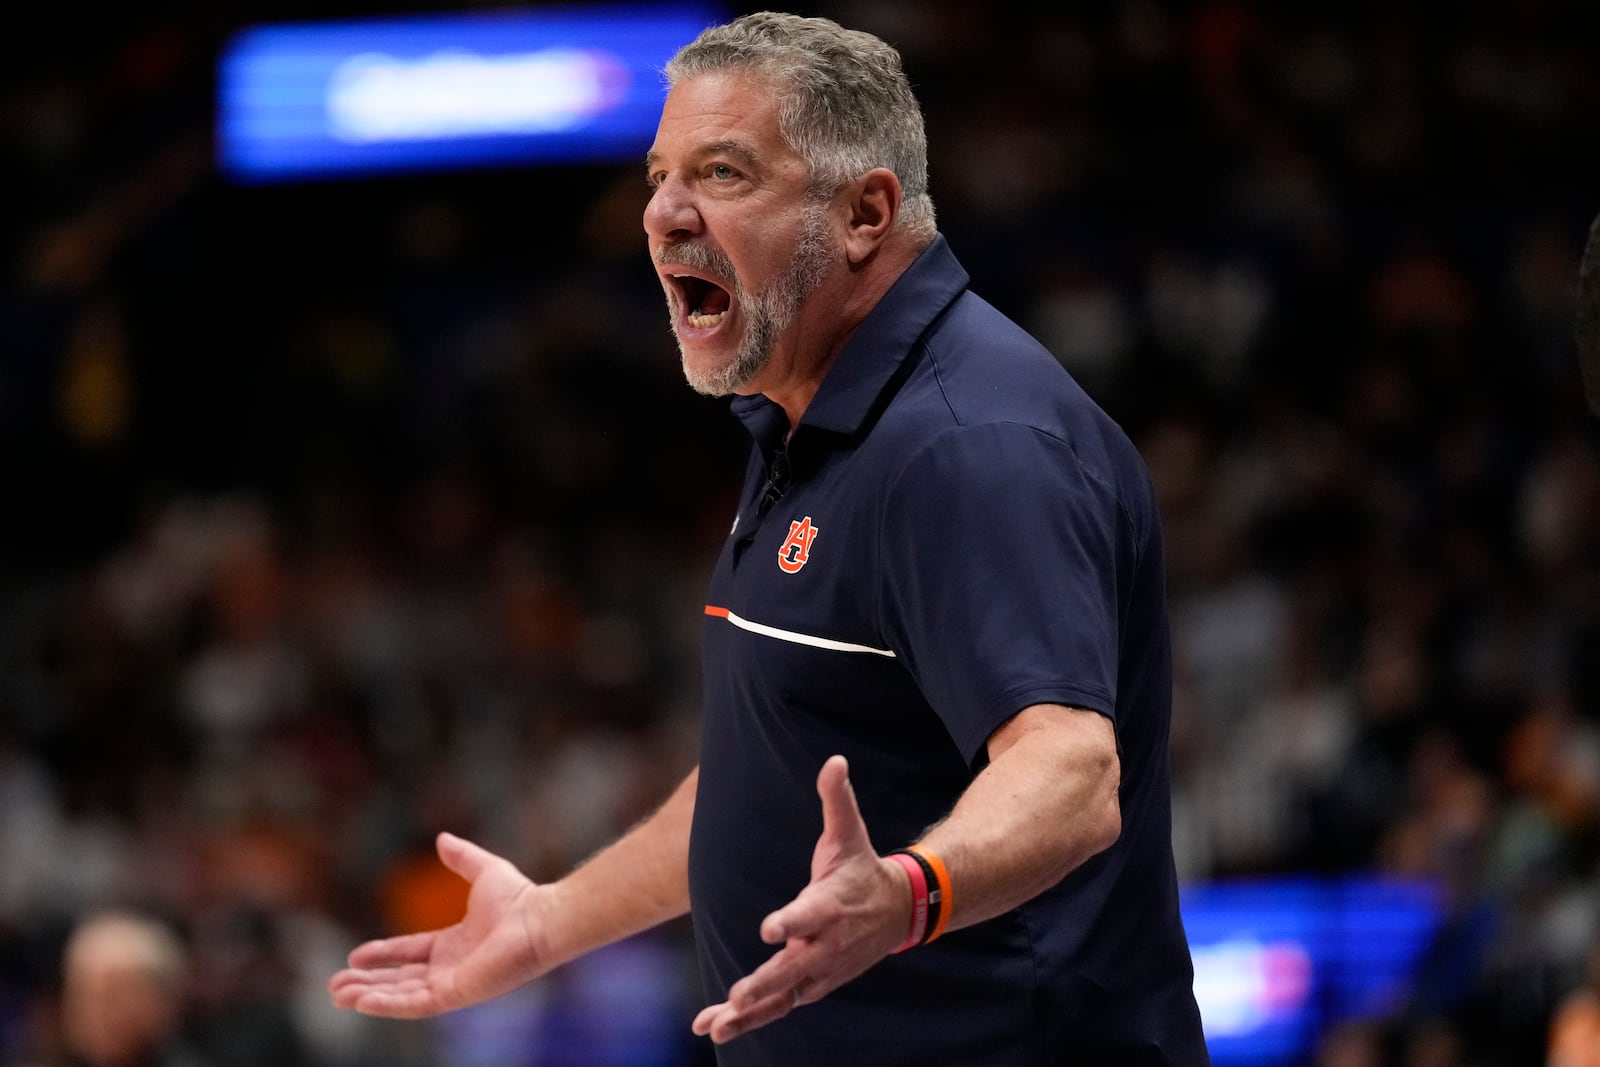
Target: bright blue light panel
x=1278, y=961
x=358, y=97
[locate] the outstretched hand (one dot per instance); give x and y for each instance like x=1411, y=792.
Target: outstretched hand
x=854, y=912
x=494, y=949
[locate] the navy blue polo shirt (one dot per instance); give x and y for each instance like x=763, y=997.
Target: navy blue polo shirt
x=954, y=532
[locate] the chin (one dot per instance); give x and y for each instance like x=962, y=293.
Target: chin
x=722, y=374
x=706, y=375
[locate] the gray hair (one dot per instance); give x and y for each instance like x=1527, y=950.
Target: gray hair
x=847, y=106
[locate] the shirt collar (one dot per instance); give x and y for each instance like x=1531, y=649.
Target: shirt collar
x=880, y=345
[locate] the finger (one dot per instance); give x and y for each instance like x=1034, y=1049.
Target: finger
x=790, y=973
x=392, y=951
x=351, y=989
x=805, y=916
x=729, y=1024
x=463, y=857
x=841, y=817
x=397, y=1004
x=353, y=977
x=707, y=1017
x=843, y=832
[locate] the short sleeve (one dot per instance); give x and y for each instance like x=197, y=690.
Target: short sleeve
x=999, y=555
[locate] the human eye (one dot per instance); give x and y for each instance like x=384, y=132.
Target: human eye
x=722, y=172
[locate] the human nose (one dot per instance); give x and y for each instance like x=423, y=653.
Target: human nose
x=671, y=213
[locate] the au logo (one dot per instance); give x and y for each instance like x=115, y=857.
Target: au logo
x=796, y=548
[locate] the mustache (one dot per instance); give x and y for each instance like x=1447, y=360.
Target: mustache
x=696, y=256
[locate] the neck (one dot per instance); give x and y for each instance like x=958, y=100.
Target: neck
x=828, y=318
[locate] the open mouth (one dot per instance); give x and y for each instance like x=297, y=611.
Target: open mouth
x=704, y=302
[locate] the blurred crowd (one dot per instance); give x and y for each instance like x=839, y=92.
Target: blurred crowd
x=340, y=513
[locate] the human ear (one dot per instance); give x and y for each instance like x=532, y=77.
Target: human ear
x=872, y=205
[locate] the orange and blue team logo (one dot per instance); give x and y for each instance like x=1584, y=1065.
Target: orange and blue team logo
x=796, y=548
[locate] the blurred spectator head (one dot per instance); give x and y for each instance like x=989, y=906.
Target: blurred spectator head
x=124, y=981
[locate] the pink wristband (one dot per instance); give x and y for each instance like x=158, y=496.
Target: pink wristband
x=919, y=900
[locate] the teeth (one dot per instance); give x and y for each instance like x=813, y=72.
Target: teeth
x=698, y=318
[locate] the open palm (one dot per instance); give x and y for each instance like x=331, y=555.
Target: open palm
x=495, y=948
x=852, y=913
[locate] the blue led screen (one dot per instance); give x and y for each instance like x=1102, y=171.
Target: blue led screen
x=361, y=97
x=1277, y=961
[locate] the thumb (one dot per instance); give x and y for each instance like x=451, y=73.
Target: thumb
x=844, y=834
x=463, y=857
x=842, y=825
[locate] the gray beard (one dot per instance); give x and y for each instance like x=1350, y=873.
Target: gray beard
x=768, y=313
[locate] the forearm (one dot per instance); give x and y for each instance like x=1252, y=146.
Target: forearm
x=1046, y=802
x=639, y=881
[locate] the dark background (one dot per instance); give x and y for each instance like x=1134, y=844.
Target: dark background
x=336, y=513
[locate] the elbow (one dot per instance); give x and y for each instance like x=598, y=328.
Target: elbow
x=1098, y=824
x=1110, y=826
x=1107, y=825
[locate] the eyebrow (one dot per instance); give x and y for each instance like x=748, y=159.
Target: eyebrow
x=735, y=149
